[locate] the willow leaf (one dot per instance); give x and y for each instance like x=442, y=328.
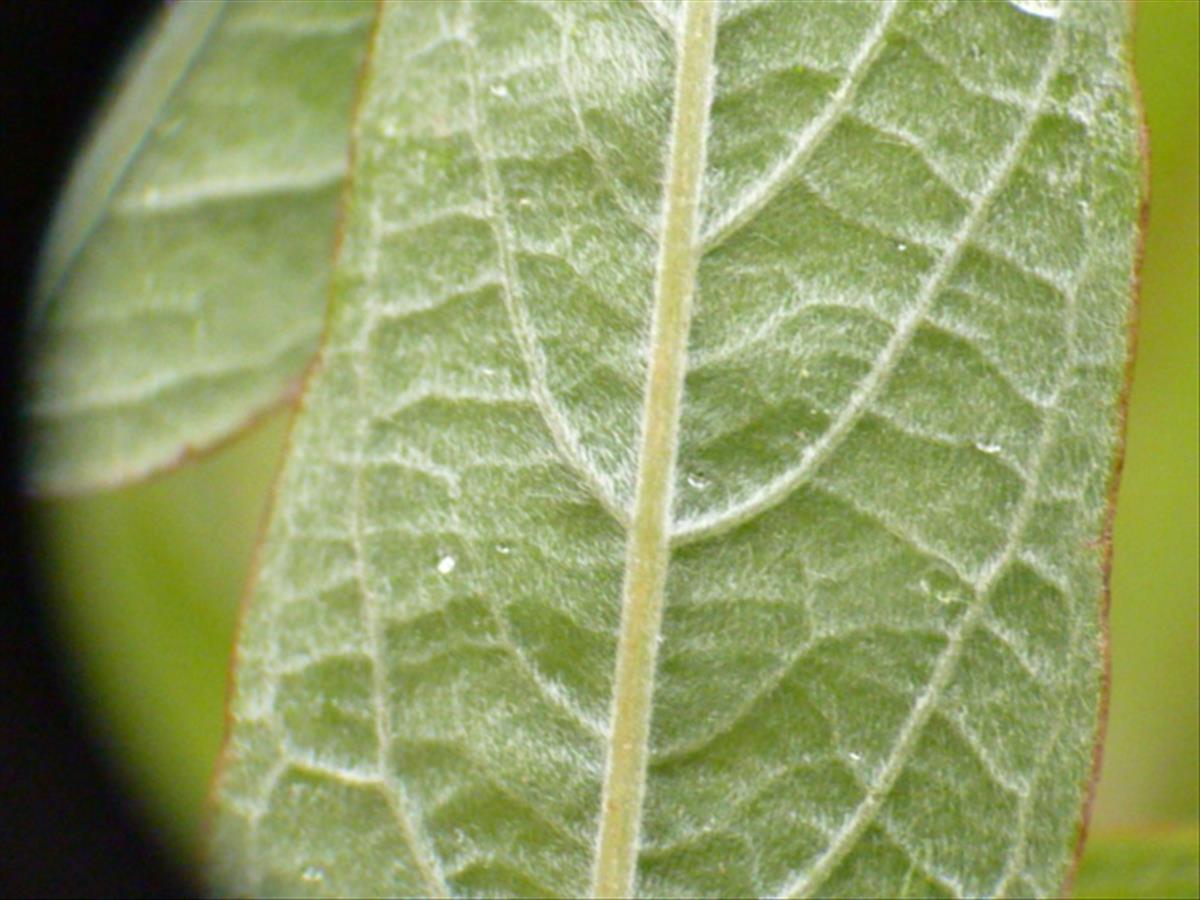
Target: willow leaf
x=702, y=489
x=185, y=275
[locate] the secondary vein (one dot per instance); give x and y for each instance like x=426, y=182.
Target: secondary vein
x=751, y=201
x=806, y=884
x=566, y=440
x=406, y=816
x=648, y=551
x=783, y=485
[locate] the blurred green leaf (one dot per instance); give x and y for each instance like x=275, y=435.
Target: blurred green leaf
x=846, y=543
x=185, y=276
x=153, y=575
x=1164, y=864
x=1152, y=758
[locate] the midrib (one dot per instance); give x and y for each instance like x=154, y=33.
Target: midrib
x=647, y=553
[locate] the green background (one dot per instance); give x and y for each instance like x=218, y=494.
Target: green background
x=150, y=577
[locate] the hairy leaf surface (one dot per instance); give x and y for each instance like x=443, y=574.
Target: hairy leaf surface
x=186, y=274
x=703, y=486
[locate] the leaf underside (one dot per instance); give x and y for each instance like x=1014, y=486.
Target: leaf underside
x=186, y=273
x=702, y=488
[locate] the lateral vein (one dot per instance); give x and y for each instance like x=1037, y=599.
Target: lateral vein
x=407, y=817
x=566, y=440
x=647, y=553
x=806, y=884
x=761, y=192
x=230, y=189
x=783, y=485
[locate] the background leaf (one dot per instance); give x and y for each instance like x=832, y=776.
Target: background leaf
x=156, y=571
x=1152, y=752
x=1151, y=864
x=185, y=276
x=882, y=609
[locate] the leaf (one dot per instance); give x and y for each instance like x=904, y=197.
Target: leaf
x=146, y=584
x=1163, y=864
x=185, y=275
x=703, y=488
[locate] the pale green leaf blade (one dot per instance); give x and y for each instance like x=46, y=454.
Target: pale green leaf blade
x=1159, y=863
x=185, y=276
x=702, y=492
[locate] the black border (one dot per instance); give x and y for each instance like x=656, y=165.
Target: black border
x=66, y=829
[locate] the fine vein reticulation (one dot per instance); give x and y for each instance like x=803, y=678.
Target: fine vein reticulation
x=698, y=491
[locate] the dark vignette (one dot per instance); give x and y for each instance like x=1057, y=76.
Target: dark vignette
x=65, y=827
